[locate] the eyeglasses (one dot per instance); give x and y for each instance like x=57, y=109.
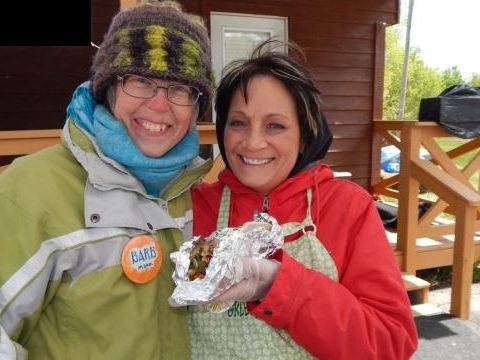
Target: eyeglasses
x=145, y=88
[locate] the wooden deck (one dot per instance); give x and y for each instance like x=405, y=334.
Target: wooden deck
x=428, y=242
x=432, y=252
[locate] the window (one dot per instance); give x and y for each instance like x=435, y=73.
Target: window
x=235, y=35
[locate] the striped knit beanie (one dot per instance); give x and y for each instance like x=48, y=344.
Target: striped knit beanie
x=155, y=39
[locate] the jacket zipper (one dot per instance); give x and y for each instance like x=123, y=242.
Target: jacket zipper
x=265, y=203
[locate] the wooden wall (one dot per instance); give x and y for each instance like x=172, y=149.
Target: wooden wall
x=36, y=82
x=343, y=40
x=344, y=46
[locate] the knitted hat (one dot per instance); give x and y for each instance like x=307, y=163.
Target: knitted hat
x=155, y=39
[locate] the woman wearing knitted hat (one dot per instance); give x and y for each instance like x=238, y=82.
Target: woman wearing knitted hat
x=334, y=291
x=86, y=227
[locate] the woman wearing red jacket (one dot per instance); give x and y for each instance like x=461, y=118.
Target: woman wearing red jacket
x=334, y=291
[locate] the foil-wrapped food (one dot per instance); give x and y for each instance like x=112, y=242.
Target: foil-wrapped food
x=204, y=267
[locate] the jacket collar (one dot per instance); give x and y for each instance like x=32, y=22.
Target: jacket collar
x=114, y=197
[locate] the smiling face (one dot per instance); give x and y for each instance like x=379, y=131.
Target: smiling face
x=262, y=137
x=154, y=124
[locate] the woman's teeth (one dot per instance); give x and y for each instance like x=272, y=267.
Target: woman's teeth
x=255, y=161
x=153, y=127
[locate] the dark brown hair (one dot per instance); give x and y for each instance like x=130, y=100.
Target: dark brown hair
x=265, y=61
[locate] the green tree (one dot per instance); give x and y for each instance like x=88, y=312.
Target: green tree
x=422, y=80
x=393, y=73
x=452, y=76
x=474, y=80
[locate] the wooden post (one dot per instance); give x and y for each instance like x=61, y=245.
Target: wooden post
x=462, y=269
x=408, y=198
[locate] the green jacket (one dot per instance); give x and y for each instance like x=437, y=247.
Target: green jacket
x=65, y=215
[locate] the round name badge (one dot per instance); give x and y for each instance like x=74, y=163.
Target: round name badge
x=141, y=259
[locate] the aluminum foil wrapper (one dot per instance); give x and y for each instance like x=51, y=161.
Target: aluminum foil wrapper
x=256, y=239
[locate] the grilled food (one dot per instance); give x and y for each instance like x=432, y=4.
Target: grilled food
x=200, y=256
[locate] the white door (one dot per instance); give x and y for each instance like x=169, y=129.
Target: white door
x=235, y=35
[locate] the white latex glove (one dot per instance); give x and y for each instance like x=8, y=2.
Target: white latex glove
x=256, y=277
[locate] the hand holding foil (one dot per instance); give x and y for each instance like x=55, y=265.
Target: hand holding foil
x=256, y=277
x=254, y=240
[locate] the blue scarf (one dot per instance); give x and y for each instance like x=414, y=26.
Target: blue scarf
x=113, y=139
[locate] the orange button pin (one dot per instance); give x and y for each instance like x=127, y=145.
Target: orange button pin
x=141, y=259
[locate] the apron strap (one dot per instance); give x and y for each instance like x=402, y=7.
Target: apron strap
x=308, y=221
x=308, y=218
x=307, y=225
x=224, y=210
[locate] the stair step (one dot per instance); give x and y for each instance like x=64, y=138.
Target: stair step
x=426, y=309
x=417, y=286
x=414, y=283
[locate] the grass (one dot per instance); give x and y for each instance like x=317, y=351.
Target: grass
x=447, y=144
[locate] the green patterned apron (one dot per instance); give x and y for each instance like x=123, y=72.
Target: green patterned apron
x=235, y=334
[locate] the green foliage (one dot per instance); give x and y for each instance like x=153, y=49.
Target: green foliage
x=422, y=81
x=393, y=73
x=475, y=80
x=452, y=76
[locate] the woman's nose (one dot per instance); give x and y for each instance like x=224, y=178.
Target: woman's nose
x=159, y=102
x=255, y=140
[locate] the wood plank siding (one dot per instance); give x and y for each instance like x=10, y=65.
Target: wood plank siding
x=37, y=82
x=343, y=42
x=344, y=46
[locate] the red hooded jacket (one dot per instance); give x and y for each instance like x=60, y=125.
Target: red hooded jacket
x=366, y=315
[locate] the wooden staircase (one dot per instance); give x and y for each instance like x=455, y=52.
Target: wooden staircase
x=418, y=289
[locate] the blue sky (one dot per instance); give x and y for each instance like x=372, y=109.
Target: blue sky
x=447, y=32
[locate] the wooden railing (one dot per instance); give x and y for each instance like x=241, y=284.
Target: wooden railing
x=456, y=196
x=22, y=142
x=27, y=141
